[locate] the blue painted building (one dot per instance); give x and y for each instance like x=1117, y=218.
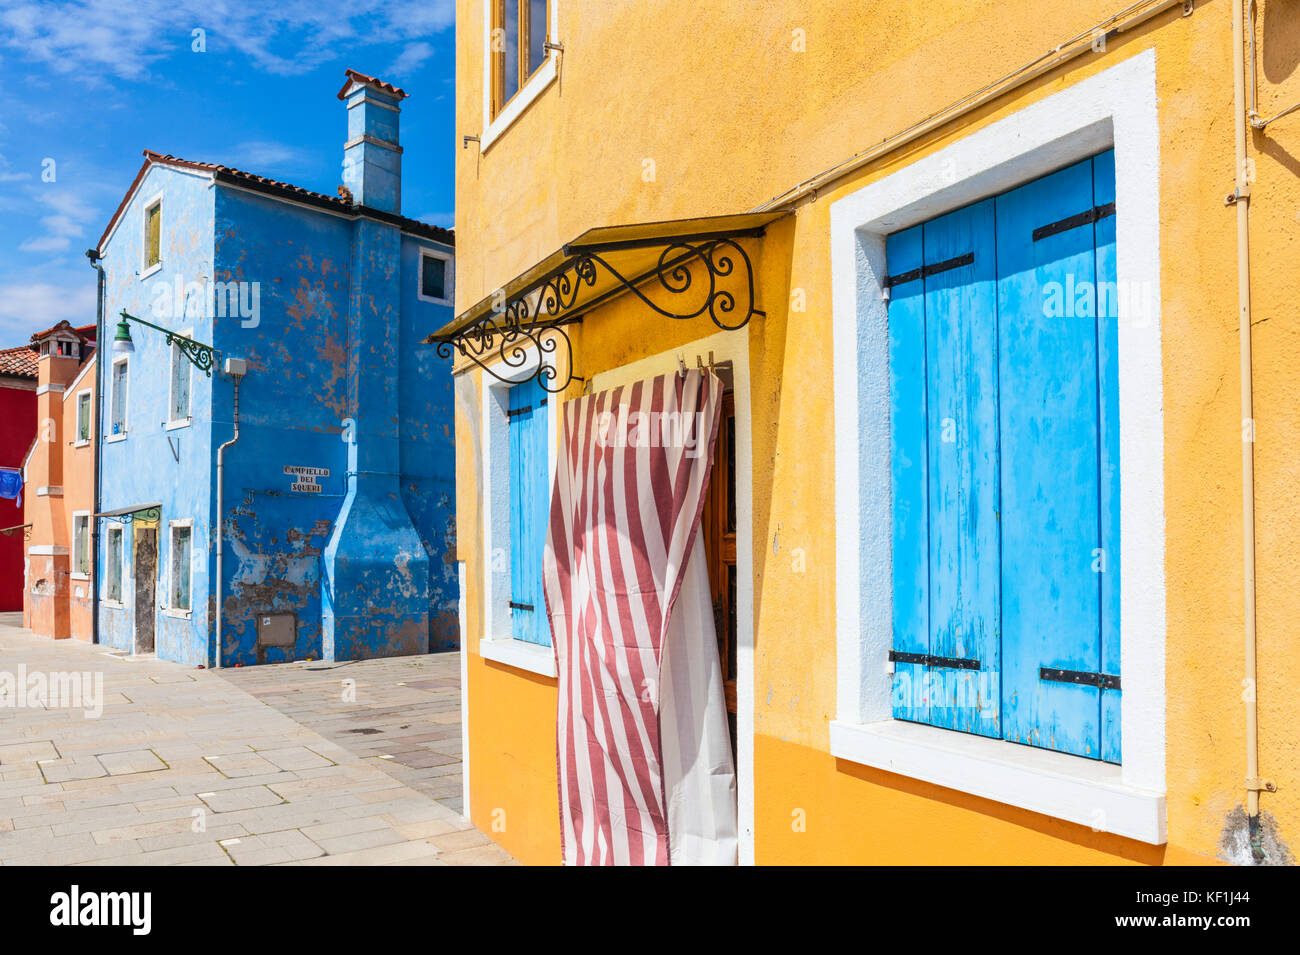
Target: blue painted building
x=337, y=476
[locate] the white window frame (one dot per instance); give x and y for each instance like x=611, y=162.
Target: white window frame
x=146, y=269
x=1114, y=108
x=542, y=77
x=104, y=598
x=171, y=610
x=177, y=356
x=448, y=277
x=74, y=571
x=498, y=642
x=78, y=440
x=112, y=399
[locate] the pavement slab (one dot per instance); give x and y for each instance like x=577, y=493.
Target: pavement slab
x=268, y=765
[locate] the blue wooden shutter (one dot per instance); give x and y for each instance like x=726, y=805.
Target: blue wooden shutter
x=529, y=510
x=961, y=354
x=943, y=329
x=908, y=475
x=1051, y=412
x=1103, y=185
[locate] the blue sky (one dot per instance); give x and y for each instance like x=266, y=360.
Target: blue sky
x=91, y=83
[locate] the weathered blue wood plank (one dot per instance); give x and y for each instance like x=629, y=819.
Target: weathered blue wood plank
x=1103, y=180
x=529, y=506
x=1050, y=457
x=962, y=416
x=909, y=474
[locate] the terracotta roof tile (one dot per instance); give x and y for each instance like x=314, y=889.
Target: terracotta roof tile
x=355, y=77
x=283, y=190
x=18, y=362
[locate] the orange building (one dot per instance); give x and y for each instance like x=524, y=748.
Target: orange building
x=58, y=502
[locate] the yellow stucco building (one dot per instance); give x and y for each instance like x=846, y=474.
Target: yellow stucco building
x=826, y=142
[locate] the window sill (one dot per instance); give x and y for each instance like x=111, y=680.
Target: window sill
x=546, y=75
x=156, y=267
x=112, y=604
x=79, y=576
x=82, y=443
x=114, y=438
x=1078, y=790
x=178, y=614
x=178, y=424
x=532, y=657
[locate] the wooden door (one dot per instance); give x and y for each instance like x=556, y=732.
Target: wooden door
x=720, y=548
x=145, y=568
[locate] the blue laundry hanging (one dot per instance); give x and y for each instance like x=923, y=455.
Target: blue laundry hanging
x=11, y=485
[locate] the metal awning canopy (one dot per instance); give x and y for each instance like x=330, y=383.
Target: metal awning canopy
x=680, y=269
x=153, y=510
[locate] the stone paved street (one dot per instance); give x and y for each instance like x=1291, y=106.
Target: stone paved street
x=269, y=765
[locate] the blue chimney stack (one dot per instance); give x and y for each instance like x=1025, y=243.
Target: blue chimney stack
x=372, y=155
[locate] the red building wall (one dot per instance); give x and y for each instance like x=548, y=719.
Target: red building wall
x=17, y=431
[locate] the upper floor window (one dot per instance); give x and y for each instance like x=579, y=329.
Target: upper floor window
x=518, y=46
x=117, y=401
x=153, y=235
x=435, y=277
x=83, y=417
x=65, y=349
x=179, y=410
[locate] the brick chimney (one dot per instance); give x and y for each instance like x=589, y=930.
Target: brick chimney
x=372, y=156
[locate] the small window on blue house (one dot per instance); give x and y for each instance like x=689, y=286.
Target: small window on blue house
x=117, y=406
x=435, y=277
x=530, y=495
x=1005, y=466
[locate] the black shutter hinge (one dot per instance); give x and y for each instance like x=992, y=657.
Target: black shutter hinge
x=519, y=606
x=1094, y=214
x=1107, y=681
x=927, y=660
x=926, y=271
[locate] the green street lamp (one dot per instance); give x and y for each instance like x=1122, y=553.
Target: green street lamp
x=202, y=356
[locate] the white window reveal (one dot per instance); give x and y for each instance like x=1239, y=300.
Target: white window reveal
x=113, y=564
x=181, y=549
x=83, y=417
x=435, y=277
x=179, y=411
x=81, y=544
x=118, y=391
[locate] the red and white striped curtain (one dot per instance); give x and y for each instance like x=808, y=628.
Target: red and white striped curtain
x=625, y=578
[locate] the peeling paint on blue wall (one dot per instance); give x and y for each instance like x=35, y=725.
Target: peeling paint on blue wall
x=339, y=494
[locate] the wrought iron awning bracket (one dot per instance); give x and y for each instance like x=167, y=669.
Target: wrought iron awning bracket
x=503, y=341
x=128, y=517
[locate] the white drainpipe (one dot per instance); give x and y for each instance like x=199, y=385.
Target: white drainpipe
x=235, y=368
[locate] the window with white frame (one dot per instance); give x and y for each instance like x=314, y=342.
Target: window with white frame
x=520, y=60
x=118, y=385
x=83, y=418
x=179, y=567
x=518, y=46
x=435, y=277
x=152, y=236
x=81, y=544
x=179, y=405
x=519, y=422
x=978, y=292
x=113, y=563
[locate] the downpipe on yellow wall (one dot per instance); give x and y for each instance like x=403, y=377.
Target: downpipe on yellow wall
x=1241, y=199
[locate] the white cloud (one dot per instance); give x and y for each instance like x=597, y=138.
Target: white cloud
x=67, y=217
x=95, y=38
x=29, y=307
x=412, y=57
x=257, y=155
